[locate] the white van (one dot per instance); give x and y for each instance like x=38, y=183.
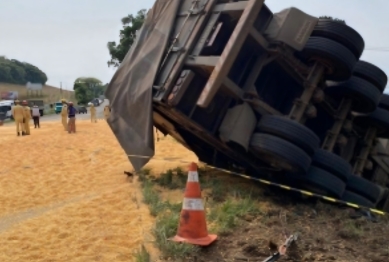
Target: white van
x=6, y=109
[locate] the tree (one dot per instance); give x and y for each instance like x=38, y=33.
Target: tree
x=34, y=75
x=127, y=35
x=87, y=88
x=16, y=72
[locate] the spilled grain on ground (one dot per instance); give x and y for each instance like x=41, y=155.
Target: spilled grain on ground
x=65, y=197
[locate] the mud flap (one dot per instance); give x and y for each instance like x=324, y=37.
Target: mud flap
x=238, y=125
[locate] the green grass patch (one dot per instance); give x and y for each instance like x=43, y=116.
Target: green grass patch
x=226, y=216
x=351, y=231
x=228, y=205
x=142, y=255
x=166, y=228
x=143, y=175
x=172, y=179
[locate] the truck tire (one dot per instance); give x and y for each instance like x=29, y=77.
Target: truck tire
x=354, y=198
x=338, y=57
x=365, y=95
x=379, y=119
x=341, y=33
x=384, y=102
x=332, y=163
x=364, y=187
x=273, y=149
x=325, y=181
x=291, y=131
x=371, y=73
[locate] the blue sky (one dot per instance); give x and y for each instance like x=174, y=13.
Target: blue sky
x=68, y=39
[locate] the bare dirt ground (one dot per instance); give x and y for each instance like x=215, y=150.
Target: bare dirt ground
x=65, y=198
x=325, y=232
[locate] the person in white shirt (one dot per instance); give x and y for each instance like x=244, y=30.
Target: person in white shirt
x=36, y=115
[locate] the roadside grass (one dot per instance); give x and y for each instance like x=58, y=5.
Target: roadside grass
x=142, y=255
x=351, y=230
x=226, y=208
x=172, y=178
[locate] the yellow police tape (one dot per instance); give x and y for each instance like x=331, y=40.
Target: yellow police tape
x=266, y=182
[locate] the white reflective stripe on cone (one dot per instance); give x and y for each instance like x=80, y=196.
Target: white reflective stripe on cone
x=192, y=204
x=193, y=176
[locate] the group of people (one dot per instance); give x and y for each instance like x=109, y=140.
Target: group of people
x=68, y=115
x=22, y=115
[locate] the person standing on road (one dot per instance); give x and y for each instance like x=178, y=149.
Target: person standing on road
x=18, y=115
x=72, y=118
x=107, y=112
x=35, y=115
x=93, y=113
x=64, y=114
x=27, y=117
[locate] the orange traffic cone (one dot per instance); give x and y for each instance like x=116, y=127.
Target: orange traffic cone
x=193, y=227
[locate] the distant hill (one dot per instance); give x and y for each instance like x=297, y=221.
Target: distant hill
x=50, y=94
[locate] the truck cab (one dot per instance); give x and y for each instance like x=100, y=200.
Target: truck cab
x=6, y=109
x=58, y=107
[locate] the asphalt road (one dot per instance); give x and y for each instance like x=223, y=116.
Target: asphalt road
x=57, y=117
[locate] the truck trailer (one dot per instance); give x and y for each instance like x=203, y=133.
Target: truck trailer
x=282, y=96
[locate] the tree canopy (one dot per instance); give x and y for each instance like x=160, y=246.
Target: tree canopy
x=87, y=88
x=15, y=72
x=131, y=24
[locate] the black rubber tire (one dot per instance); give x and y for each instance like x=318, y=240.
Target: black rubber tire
x=341, y=59
x=354, y=198
x=340, y=33
x=371, y=73
x=384, y=102
x=291, y=131
x=326, y=181
x=379, y=119
x=365, y=95
x=364, y=187
x=272, y=147
x=332, y=163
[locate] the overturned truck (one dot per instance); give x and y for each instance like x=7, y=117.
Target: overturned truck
x=282, y=96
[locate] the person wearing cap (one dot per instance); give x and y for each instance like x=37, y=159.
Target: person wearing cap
x=93, y=113
x=107, y=112
x=18, y=115
x=64, y=114
x=27, y=117
x=72, y=118
x=35, y=115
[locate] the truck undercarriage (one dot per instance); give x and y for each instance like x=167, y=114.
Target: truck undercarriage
x=281, y=96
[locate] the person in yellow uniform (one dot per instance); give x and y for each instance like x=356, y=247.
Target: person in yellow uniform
x=27, y=117
x=93, y=113
x=18, y=115
x=64, y=114
x=107, y=112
